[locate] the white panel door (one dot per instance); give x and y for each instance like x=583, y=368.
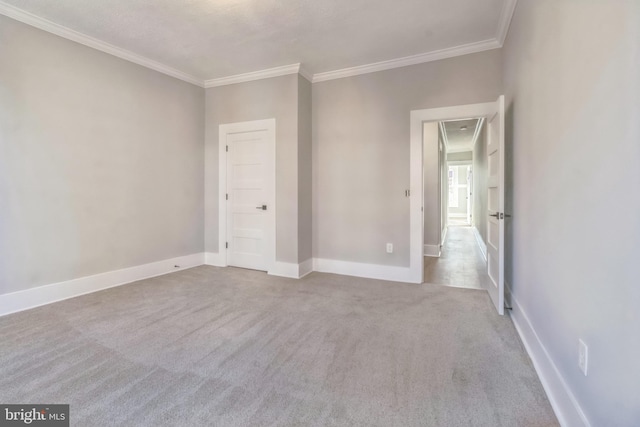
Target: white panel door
x=495, y=206
x=249, y=205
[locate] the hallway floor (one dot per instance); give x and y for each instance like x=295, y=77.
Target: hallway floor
x=461, y=264
x=457, y=222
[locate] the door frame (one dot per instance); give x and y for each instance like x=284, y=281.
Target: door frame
x=416, y=214
x=268, y=125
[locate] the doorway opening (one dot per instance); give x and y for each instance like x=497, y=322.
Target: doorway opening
x=429, y=209
x=460, y=138
x=459, y=263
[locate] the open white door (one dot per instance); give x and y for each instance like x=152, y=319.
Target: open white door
x=495, y=205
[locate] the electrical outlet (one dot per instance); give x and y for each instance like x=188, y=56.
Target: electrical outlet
x=583, y=356
x=389, y=248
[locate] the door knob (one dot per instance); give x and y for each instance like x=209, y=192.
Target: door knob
x=263, y=207
x=495, y=215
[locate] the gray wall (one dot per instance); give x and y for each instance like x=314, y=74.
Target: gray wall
x=431, y=182
x=361, y=150
x=480, y=185
x=305, y=178
x=100, y=161
x=573, y=102
x=277, y=98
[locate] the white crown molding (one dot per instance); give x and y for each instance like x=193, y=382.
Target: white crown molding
x=476, y=133
x=254, y=75
x=408, y=60
x=445, y=140
x=28, y=18
x=508, y=8
x=67, y=33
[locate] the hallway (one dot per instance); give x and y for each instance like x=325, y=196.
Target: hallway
x=461, y=263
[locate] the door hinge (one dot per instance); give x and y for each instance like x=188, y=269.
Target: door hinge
x=227, y=148
x=227, y=196
x=226, y=245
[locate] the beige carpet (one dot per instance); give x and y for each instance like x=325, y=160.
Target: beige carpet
x=231, y=347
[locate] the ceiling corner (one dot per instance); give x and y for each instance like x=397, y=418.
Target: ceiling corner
x=304, y=72
x=506, y=15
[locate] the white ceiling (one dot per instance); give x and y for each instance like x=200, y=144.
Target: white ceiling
x=459, y=135
x=210, y=39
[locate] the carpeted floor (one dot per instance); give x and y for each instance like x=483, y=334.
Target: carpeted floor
x=228, y=347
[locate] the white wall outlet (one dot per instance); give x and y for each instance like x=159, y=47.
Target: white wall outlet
x=389, y=248
x=583, y=356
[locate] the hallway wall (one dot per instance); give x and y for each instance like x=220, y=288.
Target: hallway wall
x=431, y=183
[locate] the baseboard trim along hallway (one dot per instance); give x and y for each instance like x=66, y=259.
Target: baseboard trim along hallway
x=432, y=250
x=481, y=244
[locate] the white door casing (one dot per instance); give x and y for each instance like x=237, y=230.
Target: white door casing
x=495, y=206
x=488, y=110
x=247, y=194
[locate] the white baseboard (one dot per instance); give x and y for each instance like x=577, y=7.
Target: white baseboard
x=481, y=244
x=305, y=267
x=285, y=269
x=47, y=294
x=215, y=259
x=563, y=402
x=370, y=271
x=432, y=250
x=292, y=270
